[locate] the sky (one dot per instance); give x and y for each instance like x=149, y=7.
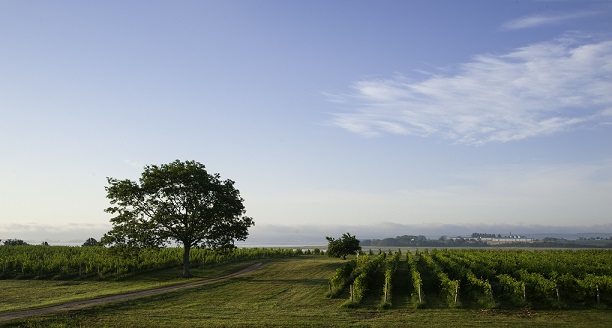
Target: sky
x=378, y=118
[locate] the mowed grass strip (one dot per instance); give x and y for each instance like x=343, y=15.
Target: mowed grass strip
x=291, y=293
x=29, y=294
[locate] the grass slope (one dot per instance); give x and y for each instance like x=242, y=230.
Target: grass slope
x=291, y=293
x=28, y=294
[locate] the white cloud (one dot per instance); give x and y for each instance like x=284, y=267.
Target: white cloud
x=540, y=20
x=540, y=89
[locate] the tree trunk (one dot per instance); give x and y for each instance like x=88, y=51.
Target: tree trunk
x=186, y=273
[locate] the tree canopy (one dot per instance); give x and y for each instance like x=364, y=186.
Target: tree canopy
x=343, y=246
x=176, y=202
x=91, y=242
x=14, y=242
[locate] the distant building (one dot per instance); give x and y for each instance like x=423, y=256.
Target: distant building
x=504, y=239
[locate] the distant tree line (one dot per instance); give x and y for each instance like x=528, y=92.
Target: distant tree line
x=14, y=242
x=549, y=242
x=20, y=242
x=421, y=241
x=444, y=241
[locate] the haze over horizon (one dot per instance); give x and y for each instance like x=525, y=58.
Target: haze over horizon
x=359, y=116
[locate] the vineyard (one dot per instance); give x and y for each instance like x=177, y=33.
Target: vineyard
x=477, y=279
x=438, y=278
x=43, y=262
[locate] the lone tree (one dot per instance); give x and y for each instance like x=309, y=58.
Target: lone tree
x=343, y=246
x=180, y=202
x=90, y=242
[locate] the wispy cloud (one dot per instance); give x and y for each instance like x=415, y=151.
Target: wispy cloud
x=540, y=20
x=540, y=89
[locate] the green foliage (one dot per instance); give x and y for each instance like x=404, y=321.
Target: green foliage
x=415, y=278
x=343, y=246
x=473, y=287
x=449, y=288
x=286, y=293
x=551, y=278
x=538, y=287
x=179, y=202
x=390, y=270
x=14, y=242
x=342, y=277
x=42, y=262
x=512, y=289
x=91, y=242
x=481, y=288
x=366, y=268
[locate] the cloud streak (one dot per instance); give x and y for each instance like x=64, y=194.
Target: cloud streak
x=540, y=89
x=541, y=20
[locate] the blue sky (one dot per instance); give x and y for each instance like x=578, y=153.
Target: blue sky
x=375, y=117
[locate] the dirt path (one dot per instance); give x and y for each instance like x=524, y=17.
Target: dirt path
x=13, y=315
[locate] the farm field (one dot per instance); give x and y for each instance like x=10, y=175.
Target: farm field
x=292, y=292
x=65, y=262
x=19, y=294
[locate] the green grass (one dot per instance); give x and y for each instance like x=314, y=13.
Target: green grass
x=27, y=294
x=291, y=293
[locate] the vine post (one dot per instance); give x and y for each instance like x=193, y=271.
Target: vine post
x=386, y=290
x=420, y=291
x=456, y=292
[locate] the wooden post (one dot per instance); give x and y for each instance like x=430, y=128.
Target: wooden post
x=558, y=296
x=597, y=286
x=351, y=291
x=456, y=292
x=420, y=288
x=387, y=292
x=524, y=294
x=491, y=292
x=330, y=286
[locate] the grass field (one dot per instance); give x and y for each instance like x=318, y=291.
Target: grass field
x=27, y=294
x=287, y=292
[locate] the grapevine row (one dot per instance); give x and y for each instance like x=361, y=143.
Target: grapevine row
x=489, y=278
x=64, y=261
x=391, y=269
